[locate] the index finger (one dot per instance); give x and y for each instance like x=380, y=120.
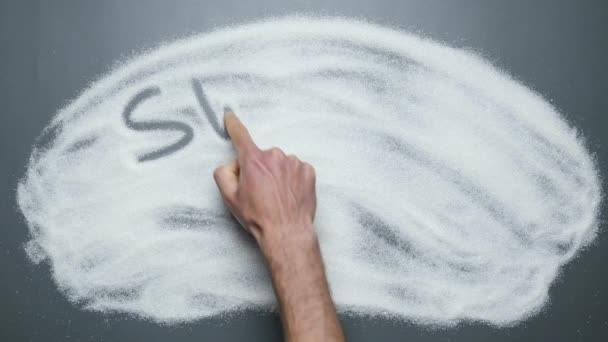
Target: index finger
x=238, y=133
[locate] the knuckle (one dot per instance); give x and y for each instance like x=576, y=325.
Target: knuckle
x=293, y=159
x=217, y=172
x=275, y=153
x=309, y=170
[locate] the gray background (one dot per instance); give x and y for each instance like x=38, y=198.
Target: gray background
x=50, y=50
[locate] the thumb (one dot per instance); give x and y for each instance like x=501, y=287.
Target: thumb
x=227, y=180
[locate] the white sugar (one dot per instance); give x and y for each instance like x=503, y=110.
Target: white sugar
x=447, y=191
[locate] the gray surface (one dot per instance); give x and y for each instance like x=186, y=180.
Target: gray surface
x=52, y=49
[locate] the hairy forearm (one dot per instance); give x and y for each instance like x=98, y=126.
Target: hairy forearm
x=298, y=277
x=273, y=196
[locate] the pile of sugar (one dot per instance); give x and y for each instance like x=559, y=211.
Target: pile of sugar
x=447, y=191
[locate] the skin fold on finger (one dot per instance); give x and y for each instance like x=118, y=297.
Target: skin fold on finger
x=226, y=178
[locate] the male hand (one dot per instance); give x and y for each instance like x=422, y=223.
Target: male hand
x=272, y=195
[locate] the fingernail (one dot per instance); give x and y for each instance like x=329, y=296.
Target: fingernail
x=227, y=109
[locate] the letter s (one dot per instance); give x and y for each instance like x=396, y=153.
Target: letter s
x=156, y=125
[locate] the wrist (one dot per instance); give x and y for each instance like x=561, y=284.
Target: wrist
x=282, y=241
x=299, y=282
